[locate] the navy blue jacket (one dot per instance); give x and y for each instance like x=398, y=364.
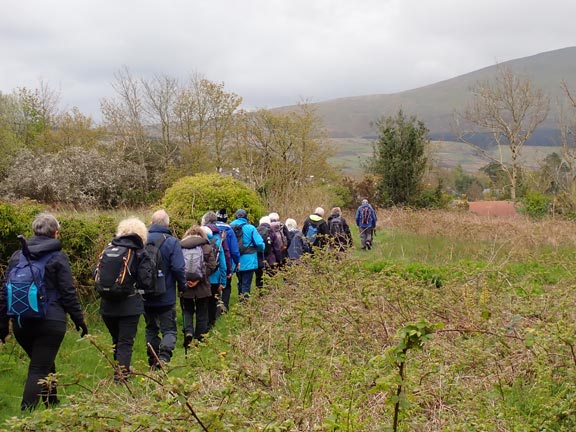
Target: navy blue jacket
x=173, y=267
x=60, y=290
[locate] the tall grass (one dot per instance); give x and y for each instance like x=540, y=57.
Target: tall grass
x=313, y=351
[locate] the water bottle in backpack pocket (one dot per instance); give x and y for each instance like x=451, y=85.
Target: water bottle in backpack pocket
x=26, y=295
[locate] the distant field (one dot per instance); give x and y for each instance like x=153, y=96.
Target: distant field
x=351, y=153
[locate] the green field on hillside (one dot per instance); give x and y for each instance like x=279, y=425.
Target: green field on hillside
x=351, y=153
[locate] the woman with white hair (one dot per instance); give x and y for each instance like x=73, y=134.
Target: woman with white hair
x=298, y=244
x=121, y=316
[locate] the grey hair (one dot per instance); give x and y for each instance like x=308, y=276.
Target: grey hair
x=132, y=225
x=45, y=224
x=160, y=217
x=319, y=211
x=209, y=217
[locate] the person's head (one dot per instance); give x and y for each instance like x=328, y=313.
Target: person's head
x=160, y=217
x=222, y=215
x=319, y=211
x=241, y=213
x=274, y=217
x=336, y=211
x=45, y=225
x=364, y=201
x=197, y=231
x=209, y=218
x=265, y=220
x=132, y=225
x=291, y=224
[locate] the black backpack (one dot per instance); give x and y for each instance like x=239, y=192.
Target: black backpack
x=153, y=250
x=336, y=228
x=264, y=232
x=115, y=277
x=239, y=233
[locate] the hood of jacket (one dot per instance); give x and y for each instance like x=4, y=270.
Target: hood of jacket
x=41, y=245
x=315, y=218
x=129, y=240
x=192, y=241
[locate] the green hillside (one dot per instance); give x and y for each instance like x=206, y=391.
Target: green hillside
x=435, y=104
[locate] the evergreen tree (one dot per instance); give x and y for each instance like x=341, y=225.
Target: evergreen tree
x=399, y=158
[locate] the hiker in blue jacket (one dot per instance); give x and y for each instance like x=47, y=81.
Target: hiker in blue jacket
x=366, y=222
x=160, y=310
x=232, y=264
x=251, y=244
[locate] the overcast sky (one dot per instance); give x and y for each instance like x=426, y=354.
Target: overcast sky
x=270, y=52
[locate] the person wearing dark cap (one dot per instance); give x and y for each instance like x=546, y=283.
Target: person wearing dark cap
x=249, y=244
x=232, y=263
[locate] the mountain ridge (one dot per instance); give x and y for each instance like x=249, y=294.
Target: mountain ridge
x=435, y=104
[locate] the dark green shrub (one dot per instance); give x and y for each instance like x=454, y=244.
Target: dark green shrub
x=536, y=204
x=15, y=219
x=190, y=197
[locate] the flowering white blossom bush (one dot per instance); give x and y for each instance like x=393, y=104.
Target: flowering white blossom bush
x=75, y=175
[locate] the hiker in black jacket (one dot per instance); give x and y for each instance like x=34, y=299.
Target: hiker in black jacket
x=121, y=316
x=315, y=229
x=41, y=337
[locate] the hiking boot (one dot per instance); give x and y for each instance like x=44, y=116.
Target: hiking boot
x=188, y=340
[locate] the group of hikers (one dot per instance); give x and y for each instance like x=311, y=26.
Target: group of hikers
x=145, y=271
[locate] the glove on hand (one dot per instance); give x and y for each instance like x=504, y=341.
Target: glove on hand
x=81, y=325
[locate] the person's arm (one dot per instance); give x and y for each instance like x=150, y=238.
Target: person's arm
x=60, y=267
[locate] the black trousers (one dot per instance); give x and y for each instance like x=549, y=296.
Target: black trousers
x=41, y=339
x=198, y=308
x=123, y=331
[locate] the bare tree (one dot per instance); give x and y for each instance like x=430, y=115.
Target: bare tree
x=160, y=96
x=509, y=109
x=568, y=132
x=124, y=118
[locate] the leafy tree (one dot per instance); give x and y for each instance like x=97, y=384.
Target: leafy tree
x=281, y=155
x=399, y=158
x=509, y=109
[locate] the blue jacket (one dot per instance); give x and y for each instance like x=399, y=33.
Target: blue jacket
x=232, y=243
x=173, y=267
x=372, y=220
x=219, y=275
x=250, y=237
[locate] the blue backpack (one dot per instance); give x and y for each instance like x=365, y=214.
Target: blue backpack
x=25, y=287
x=311, y=233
